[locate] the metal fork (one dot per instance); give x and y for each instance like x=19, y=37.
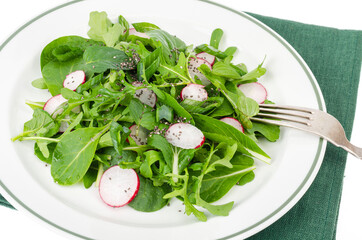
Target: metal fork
x=310, y=120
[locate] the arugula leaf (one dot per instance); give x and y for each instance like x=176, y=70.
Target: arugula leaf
x=171, y=45
x=168, y=100
x=144, y=26
x=160, y=143
x=216, y=37
x=225, y=70
x=245, y=144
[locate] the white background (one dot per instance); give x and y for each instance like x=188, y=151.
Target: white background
x=344, y=14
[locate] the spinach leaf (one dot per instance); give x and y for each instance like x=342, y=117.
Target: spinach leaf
x=65, y=48
x=149, y=197
x=151, y=157
x=73, y=155
x=98, y=59
x=54, y=73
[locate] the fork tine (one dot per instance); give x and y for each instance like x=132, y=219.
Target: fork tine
x=290, y=112
x=292, y=118
x=300, y=126
x=301, y=109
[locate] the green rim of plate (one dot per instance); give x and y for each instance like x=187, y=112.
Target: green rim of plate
x=264, y=27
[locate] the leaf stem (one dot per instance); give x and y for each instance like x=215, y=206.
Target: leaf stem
x=40, y=138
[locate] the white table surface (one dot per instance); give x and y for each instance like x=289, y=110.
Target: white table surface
x=344, y=14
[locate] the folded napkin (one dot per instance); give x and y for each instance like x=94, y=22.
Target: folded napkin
x=335, y=57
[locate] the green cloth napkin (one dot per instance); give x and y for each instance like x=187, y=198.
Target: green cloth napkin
x=335, y=57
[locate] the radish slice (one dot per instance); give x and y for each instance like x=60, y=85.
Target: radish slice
x=145, y=95
x=74, y=79
x=53, y=103
x=118, y=186
x=206, y=56
x=193, y=65
x=233, y=122
x=139, y=134
x=185, y=135
x=132, y=31
x=254, y=91
x=194, y=91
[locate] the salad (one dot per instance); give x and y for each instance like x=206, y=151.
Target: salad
x=146, y=118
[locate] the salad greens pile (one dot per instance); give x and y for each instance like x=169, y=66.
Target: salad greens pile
x=90, y=131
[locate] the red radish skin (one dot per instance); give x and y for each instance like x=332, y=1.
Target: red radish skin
x=254, y=91
x=74, y=79
x=145, y=95
x=192, y=67
x=118, y=186
x=53, y=103
x=233, y=122
x=132, y=31
x=195, y=92
x=139, y=134
x=206, y=56
x=185, y=135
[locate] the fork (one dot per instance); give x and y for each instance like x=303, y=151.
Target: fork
x=309, y=120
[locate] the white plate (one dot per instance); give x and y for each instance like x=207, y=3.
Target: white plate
x=79, y=213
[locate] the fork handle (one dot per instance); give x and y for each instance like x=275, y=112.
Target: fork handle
x=355, y=151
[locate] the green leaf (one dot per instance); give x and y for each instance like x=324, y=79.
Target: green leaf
x=216, y=37
x=225, y=70
x=55, y=72
x=99, y=24
x=226, y=153
x=151, y=157
x=65, y=49
x=245, y=144
x=40, y=155
x=171, y=45
x=211, y=50
x=256, y=73
x=164, y=112
x=168, y=100
x=98, y=59
x=91, y=175
x=270, y=132
x=74, y=154
x=112, y=36
x=136, y=110
x=39, y=83
x=217, y=183
x=160, y=143
x=144, y=26
x=119, y=136
x=149, y=197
